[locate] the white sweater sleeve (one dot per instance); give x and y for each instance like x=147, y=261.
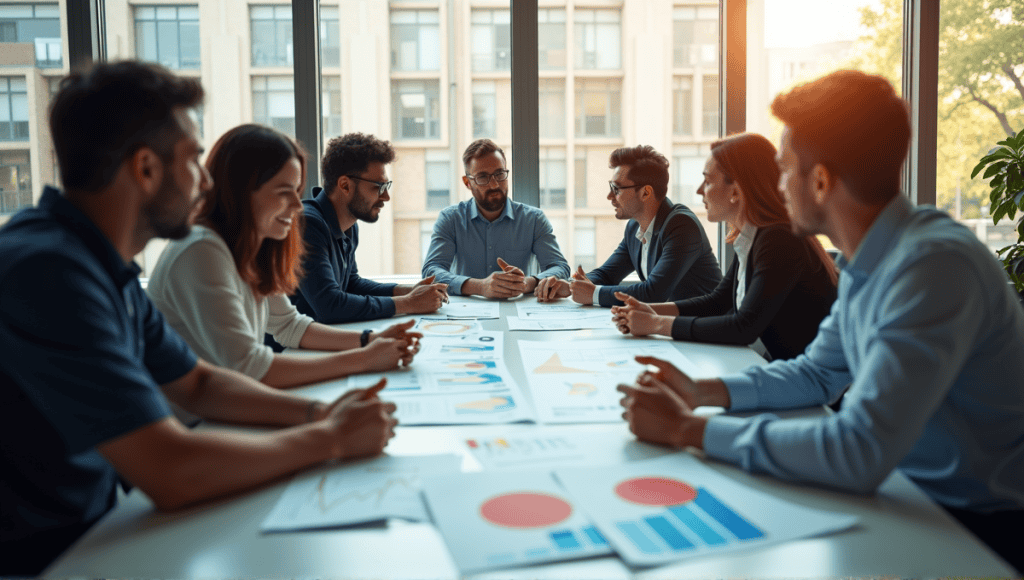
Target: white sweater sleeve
x=214, y=310
x=285, y=323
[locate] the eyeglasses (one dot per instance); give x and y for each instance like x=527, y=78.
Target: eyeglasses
x=616, y=189
x=382, y=186
x=484, y=178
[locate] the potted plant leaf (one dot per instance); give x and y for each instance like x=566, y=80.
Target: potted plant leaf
x=1004, y=167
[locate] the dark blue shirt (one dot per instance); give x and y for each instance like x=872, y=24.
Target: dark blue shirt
x=84, y=351
x=332, y=290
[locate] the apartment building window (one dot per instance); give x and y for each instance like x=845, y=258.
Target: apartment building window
x=687, y=173
x=551, y=39
x=584, y=243
x=416, y=109
x=438, y=179
x=485, y=110
x=415, y=40
x=695, y=38
x=426, y=232
x=580, y=173
x=330, y=41
x=709, y=106
x=599, y=108
x=37, y=24
x=551, y=108
x=682, y=106
x=330, y=103
x=598, y=39
x=13, y=109
x=552, y=178
x=15, y=181
x=271, y=35
x=273, y=103
x=491, y=40
x=168, y=35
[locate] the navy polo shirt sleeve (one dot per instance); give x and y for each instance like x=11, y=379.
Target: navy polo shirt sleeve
x=167, y=356
x=77, y=349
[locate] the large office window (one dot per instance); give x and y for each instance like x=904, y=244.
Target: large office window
x=330, y=42
x=598, y=108
x=687, y=174
x=598, y=39
x=15, y=181
x=551, y=47
x=551, y=108
x=168, y=35
x=271, y=35
x=491, y=43
x=273, y=102
x=710, y=107
x=330, y=103
x=415, y=40
x=438, y=179
x=37, y=25
x=416, y=107
x=695, y=36
x=584, y=243
x=13, y=109
x=552, y=178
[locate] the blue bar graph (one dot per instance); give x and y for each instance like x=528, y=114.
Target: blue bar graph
x=595, y=536
x=638, y=537
x=742, y=529
x=709, y=536
x=669, y=533
x=566, y=540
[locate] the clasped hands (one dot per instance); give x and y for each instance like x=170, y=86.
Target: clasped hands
x=580, y=288
x=659, y=406
x=508, y=283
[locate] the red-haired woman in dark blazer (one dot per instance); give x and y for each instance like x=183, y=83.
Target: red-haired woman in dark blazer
x=780, y=285
x=226, y=284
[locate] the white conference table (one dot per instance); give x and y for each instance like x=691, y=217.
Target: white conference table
x=901, y=531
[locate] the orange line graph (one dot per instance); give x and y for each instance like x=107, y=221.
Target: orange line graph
x=377, y=494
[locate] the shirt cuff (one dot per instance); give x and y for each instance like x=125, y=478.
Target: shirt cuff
x=682, y=327
x=742, y=392
x=455, y=285
x=720, y=433
x=596, y=300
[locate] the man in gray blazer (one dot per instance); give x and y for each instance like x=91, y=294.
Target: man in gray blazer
x=664, y=243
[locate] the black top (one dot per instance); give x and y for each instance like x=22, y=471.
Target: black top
x=788, y=294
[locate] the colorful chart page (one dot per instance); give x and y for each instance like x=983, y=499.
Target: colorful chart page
x=356, y=492
x=671, y=508
x=466, y=307
x=497, y=520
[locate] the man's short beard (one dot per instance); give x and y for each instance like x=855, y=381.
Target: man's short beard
x=364, y=213
x=159, y=215
x=487, y=204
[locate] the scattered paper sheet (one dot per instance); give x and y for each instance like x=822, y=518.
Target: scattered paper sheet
x=455, y=379
x=496, y=520
x=357, y=492
x=578, y=323
x=465, y=307
x=575, y=382
x=531, y=309
x=674, y=507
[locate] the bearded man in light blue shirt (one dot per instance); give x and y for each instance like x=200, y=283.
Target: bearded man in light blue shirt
x=926, y=331
x=483, y=246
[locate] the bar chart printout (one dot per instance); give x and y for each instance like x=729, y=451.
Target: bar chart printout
x=674, y=507
x=497, y=520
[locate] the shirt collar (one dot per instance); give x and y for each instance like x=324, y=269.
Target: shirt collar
x=506, y=212
x=879, y=237
x=645, y=235
x=95, y=241
x=327, y=210
x=745, y=240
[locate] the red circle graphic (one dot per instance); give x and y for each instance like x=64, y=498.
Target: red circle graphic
x=658, y=491
x=525, y=510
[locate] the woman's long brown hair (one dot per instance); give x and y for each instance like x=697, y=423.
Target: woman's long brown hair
x=241, y=161
x=748, y=159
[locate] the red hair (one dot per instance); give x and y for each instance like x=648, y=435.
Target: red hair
x=241, y=161
x=748, y=159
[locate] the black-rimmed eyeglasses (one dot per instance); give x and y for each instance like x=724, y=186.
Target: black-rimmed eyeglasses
x=382, y=186
x=616, y=189
x=485, y=178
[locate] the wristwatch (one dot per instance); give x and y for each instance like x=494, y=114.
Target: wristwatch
x=364, y=338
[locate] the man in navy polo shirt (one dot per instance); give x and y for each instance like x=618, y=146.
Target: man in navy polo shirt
x=89, y=364
x=356, y=186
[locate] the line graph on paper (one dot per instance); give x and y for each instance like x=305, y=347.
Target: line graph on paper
x=357, y=492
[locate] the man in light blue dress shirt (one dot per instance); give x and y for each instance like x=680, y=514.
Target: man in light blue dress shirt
x=926, y=331
x=483, y=246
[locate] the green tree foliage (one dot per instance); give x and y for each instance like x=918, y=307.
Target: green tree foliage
x=981, y=93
